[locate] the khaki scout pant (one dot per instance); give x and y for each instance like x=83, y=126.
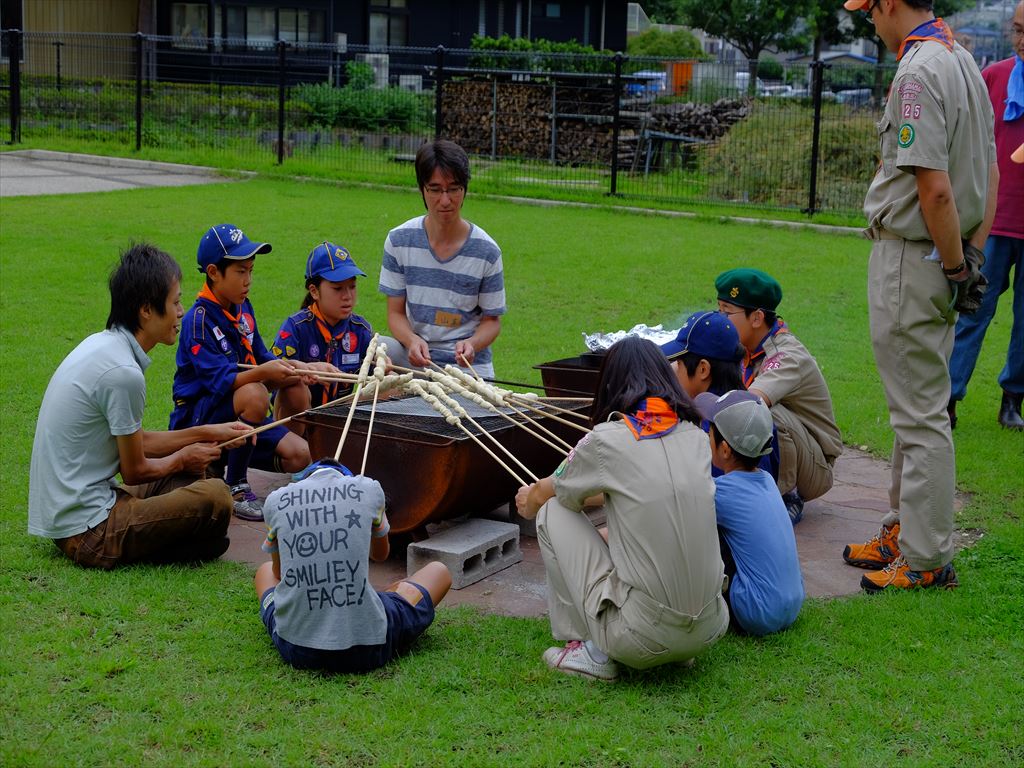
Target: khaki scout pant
x=912, y=324
x=802, y=463
x=640, y=633
x=175, y=519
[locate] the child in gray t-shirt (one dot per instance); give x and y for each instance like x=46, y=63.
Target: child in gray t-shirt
x=316, y=599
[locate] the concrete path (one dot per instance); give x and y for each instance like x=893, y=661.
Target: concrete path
x=848, y=513
x=41, y=172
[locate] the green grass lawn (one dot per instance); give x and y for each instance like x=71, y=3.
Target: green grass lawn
x=171, y=665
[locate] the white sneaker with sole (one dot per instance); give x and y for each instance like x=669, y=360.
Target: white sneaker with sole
x=574, y=659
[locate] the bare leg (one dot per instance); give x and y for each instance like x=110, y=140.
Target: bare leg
x=293, y=452
x=265, y=578
x=290, y=401
x=433, y=577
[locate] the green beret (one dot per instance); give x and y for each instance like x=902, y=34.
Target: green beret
x=749, y=288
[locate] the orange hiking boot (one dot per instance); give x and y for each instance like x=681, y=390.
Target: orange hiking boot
x=898, y=575
x=882, y=549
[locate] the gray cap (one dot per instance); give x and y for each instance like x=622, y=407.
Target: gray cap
x=741, y=418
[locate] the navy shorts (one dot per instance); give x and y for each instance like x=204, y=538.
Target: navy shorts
x=206, y=411
x=405, y=623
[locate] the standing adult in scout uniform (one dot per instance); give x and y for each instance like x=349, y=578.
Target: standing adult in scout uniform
x=324, y=335
x=779, y=369
x=441, y=274
x=929, y=206
x=1004, y=250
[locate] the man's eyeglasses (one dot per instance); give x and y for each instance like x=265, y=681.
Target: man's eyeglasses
x=867, y=11
x=734, y=312
x=437, y=190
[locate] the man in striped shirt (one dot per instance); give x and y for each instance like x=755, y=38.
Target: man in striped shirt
x=442, y=275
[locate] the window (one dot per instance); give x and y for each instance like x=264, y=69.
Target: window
x=297, y=26
x=389, y=23
x=235, y=30
x=553, y=10
x=189, y=25
x=260, y=26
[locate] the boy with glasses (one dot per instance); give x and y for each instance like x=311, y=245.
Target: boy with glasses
x=441, y=274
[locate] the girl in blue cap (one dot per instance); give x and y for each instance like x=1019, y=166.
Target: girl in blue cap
x=325, y=334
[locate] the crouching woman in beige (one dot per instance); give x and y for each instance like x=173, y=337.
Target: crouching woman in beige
x=652, y=593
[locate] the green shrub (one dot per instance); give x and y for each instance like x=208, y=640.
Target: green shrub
x=770, y=69
x=517, y=53
x=680, y=44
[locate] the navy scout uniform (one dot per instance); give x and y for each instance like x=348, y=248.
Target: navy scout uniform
x=938, y=116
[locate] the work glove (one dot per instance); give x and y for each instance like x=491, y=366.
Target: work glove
x=969, y=285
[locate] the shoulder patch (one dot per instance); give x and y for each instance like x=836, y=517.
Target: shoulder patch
x=773, y=362
x=906, y=135
x=199, y=323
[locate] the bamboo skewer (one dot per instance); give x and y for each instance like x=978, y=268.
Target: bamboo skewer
x=285, y=420
x=363, y=370
x=534, y=408
x=552, y=406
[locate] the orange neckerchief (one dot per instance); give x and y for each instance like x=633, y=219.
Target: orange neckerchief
x=329, y=390
x=750, y=361
x=936, y=30
x=652, y=418
x=250, y=357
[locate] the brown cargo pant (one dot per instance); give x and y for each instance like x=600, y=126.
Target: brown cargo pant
x=175, y=519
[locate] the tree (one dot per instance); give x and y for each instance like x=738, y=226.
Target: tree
x=751, y=25
x=662, y=11
x=666, y=45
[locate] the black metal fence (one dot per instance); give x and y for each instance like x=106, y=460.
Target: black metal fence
x=536, y=124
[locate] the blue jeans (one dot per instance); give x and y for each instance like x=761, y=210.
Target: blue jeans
x=1002, y=254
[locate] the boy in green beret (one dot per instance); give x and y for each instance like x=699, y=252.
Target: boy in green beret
x=780, y=370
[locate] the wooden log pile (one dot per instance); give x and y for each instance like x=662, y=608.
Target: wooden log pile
x=514, y=119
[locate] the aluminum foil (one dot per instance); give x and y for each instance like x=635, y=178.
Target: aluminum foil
x=598, y=342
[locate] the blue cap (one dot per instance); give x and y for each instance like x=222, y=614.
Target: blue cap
x=331, y=262
x=302, y=474
x=706, y=334
x=226, y=241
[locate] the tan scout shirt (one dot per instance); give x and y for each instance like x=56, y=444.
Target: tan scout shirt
x=938, y=116
x=789, y=374
x=660, y=506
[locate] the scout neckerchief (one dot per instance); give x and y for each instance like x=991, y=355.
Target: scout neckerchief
x=250, y=357
x=1015, y=93
x=332, y=341
x=936, y=30
x=652, y=419
x=751, y=359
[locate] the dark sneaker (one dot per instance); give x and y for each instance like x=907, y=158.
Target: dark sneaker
x=880, y=551
x=247, y=504
x=575, y=659
x=794, y=505
x=899, y=575
x=1009, y=411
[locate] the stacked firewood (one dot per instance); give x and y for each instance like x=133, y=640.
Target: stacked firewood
x=699, y=121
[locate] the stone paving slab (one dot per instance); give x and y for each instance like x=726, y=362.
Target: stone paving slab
x=850, y=512
x=42, y=172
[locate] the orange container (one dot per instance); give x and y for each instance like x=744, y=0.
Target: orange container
x=680, y=73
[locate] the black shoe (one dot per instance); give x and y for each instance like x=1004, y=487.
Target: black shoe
x=1009, y=411
x=794, y=505
x=951, y=410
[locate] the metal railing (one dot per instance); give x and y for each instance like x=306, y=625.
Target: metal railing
x=535, y=123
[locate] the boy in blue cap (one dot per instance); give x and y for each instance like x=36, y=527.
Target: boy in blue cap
x=705, y=356
x=324, y=335
x=779, y=369
x=218, y=333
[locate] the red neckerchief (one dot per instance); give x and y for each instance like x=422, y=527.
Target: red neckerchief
x=936, y=30
x=250, y=357
x=652, y=419
x=329, y=390
x=750, y=361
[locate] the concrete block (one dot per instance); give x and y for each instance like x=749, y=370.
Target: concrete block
x=472, y=550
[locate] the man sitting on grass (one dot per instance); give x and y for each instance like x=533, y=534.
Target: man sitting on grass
x=90, y=429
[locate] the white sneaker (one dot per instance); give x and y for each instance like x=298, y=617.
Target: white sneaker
x=574, y=659
x=247, y=504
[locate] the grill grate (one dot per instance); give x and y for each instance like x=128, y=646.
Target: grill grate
x=410, y=415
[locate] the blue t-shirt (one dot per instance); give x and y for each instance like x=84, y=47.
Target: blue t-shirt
x=768, y=589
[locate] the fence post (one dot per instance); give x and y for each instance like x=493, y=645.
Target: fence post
x=282, y=79
x=494, y=117
x=14, y=57
x=616, y=90
x=817, y=83
x=554, y=119
x=438, y=84
x=138, y=91
x=57, y=46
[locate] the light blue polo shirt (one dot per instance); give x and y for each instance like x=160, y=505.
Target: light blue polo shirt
x=97, y=393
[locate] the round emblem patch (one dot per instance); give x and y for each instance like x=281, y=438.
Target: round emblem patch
x=349, y=342
x=906, y=135
x=314, y=350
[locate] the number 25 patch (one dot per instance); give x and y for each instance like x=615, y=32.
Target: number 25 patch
x=906, y=135
x=912, y=111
